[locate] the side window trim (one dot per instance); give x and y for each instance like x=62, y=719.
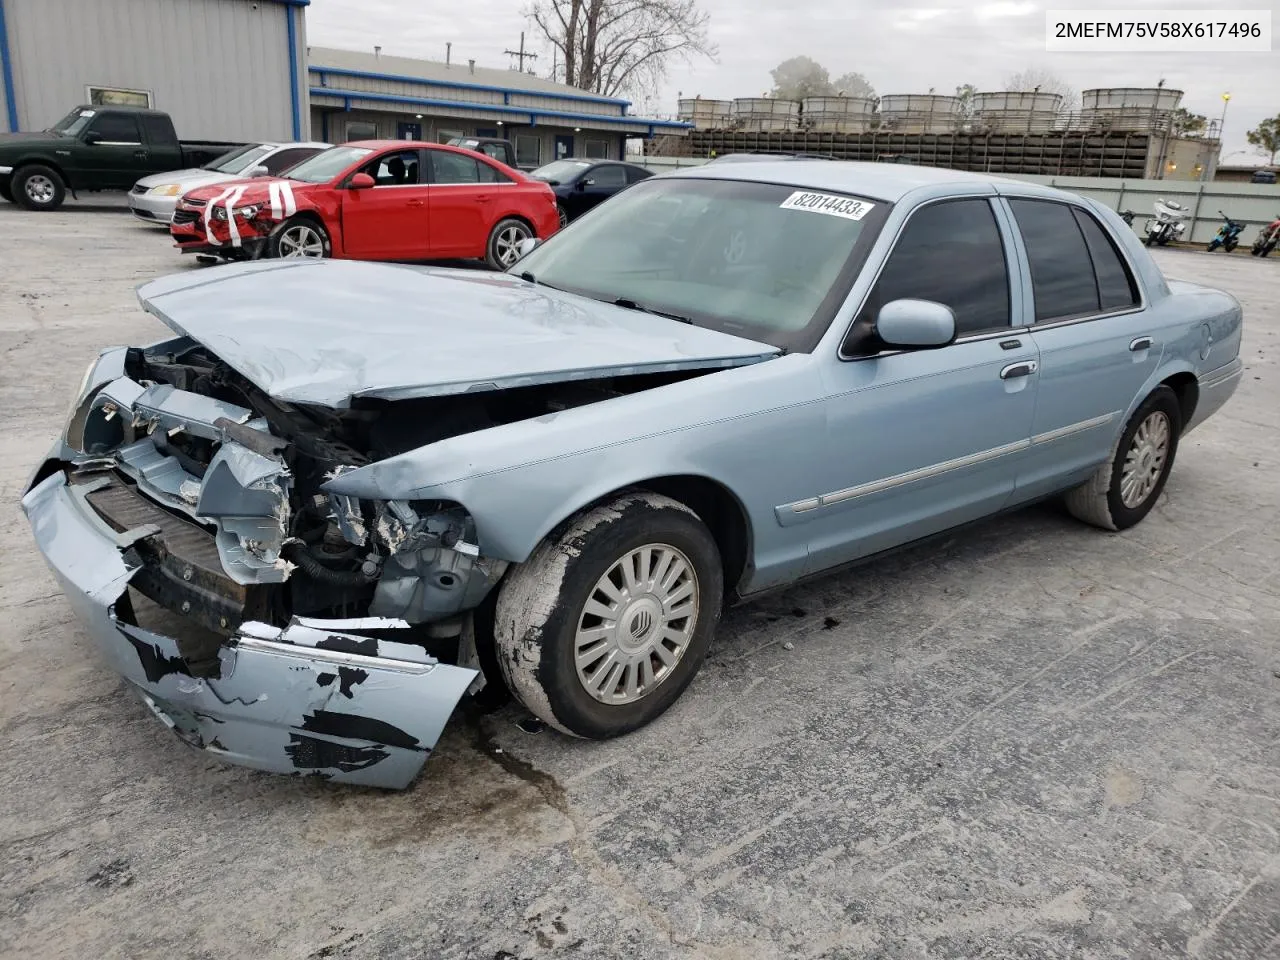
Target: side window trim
x=1013, y=268
x=1024, y=268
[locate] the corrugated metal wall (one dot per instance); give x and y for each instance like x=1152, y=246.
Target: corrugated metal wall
x=219, y=67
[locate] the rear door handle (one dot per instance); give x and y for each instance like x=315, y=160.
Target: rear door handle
x=1140, y=343
x=1024, y=368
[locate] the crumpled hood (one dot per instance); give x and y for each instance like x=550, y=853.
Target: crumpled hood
x=326, y=331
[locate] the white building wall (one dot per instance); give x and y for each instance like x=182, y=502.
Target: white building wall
x=219, y=67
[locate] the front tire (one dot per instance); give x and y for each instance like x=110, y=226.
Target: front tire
x=38, y=187
x=1213, y=245
x=1125, y=488
x=503, y=248
x=299, y=238
x=602, y=628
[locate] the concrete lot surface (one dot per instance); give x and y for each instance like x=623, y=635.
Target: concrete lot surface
x=1031, y=739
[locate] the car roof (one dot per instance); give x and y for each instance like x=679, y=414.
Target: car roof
x=882, y=181
x=277, y=144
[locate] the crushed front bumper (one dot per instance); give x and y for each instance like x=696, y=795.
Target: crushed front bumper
x=317, y=697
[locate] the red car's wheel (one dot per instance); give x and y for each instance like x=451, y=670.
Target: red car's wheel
x=300, y=237
x=503, y=248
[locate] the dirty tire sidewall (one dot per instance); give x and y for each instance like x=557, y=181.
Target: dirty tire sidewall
x=34, y=172
x=1098, y=501
x=541, y=600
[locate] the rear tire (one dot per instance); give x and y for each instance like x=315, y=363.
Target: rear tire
x=503, y=248
x=563, y=214
x=37, y=187
x=299, y=238
x=606, y=623
x=1230, y=245
x=1127, y=486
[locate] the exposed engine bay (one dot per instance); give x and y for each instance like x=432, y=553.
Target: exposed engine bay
x=181, y=438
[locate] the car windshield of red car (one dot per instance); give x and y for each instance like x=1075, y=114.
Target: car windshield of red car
x=328, y=164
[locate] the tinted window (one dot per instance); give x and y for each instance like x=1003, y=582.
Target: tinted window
x=638, y=173
x=452, y=167
x=949, y=253
x=609, y=176
x=285, y=159
x=158, y=129
x=1061, y=270
x=1116, y=288
x=397, y=169
x=116, y=128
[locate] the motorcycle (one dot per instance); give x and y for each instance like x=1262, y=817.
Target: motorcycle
x=1167, y=224
x=1228, y=237
x=1268, y=237
x=1127, y=216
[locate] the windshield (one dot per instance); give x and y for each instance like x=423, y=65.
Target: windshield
x=757, y=260
x=327, y=164
x=560, y=171
x=73, y=122
x=241, y=158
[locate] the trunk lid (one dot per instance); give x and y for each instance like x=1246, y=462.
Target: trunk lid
x=327, y=331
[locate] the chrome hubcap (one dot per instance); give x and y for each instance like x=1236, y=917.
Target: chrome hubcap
x=507, y=244
x=1145, y=460
x=637, y=623
x=40, y=188
x=564, y=217
x=301, y=241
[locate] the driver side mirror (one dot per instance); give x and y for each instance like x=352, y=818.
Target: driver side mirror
x=258, y=171
x=916, y=324
x=361, y=181
x=92, y=138
x=587, y=182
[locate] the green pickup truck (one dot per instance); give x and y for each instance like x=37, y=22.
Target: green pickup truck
x=95, y=148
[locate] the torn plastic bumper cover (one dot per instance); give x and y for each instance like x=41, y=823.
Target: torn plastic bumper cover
x=316, y=697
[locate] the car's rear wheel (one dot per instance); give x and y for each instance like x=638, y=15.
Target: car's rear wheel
x=1127, y=486
x=603, y=627
x=503, y=248
x=563, y=214
x=299, y=238
x=38, y=187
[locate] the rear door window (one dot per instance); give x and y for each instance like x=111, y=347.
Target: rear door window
x=450, y=167
x=1062, y=273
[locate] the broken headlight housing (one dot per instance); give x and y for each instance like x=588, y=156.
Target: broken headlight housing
x=247, y=212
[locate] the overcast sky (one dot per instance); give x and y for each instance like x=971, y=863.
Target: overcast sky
x=899, y=48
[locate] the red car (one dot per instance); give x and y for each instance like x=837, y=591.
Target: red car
x=372, y=200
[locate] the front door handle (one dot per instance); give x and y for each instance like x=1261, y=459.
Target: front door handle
x=1140, y=343
x=415, y=203
x=483, y=198
x=1024, y=368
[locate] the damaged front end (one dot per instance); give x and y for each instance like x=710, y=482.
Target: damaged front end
x=316, y=633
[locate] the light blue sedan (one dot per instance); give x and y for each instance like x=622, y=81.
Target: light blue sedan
x=372, y=487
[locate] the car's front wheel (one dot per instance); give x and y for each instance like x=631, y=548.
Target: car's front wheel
x=299, y=237
x=606, y=623
x=38, y=187
x=503, y=248
x=1126, y=487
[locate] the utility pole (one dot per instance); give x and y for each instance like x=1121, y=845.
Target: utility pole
x=520, y=55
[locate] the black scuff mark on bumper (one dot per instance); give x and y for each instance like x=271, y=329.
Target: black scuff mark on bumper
x=156, y=664
x=347, y=678
x=350, y=726
x=308, y=753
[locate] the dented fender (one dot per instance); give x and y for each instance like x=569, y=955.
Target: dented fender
x=319, y=698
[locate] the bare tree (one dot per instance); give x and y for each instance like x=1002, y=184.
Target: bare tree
x=1037, y=78
x=613, y=46
x=800, y=77
x=853, y=85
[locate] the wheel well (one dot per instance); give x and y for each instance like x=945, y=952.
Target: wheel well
x=310, y=215
x=1187, y=389
x=23, y=164
x=720, y=510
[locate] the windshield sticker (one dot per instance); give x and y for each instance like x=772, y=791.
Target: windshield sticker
x=86, y=113
x=828, y=203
